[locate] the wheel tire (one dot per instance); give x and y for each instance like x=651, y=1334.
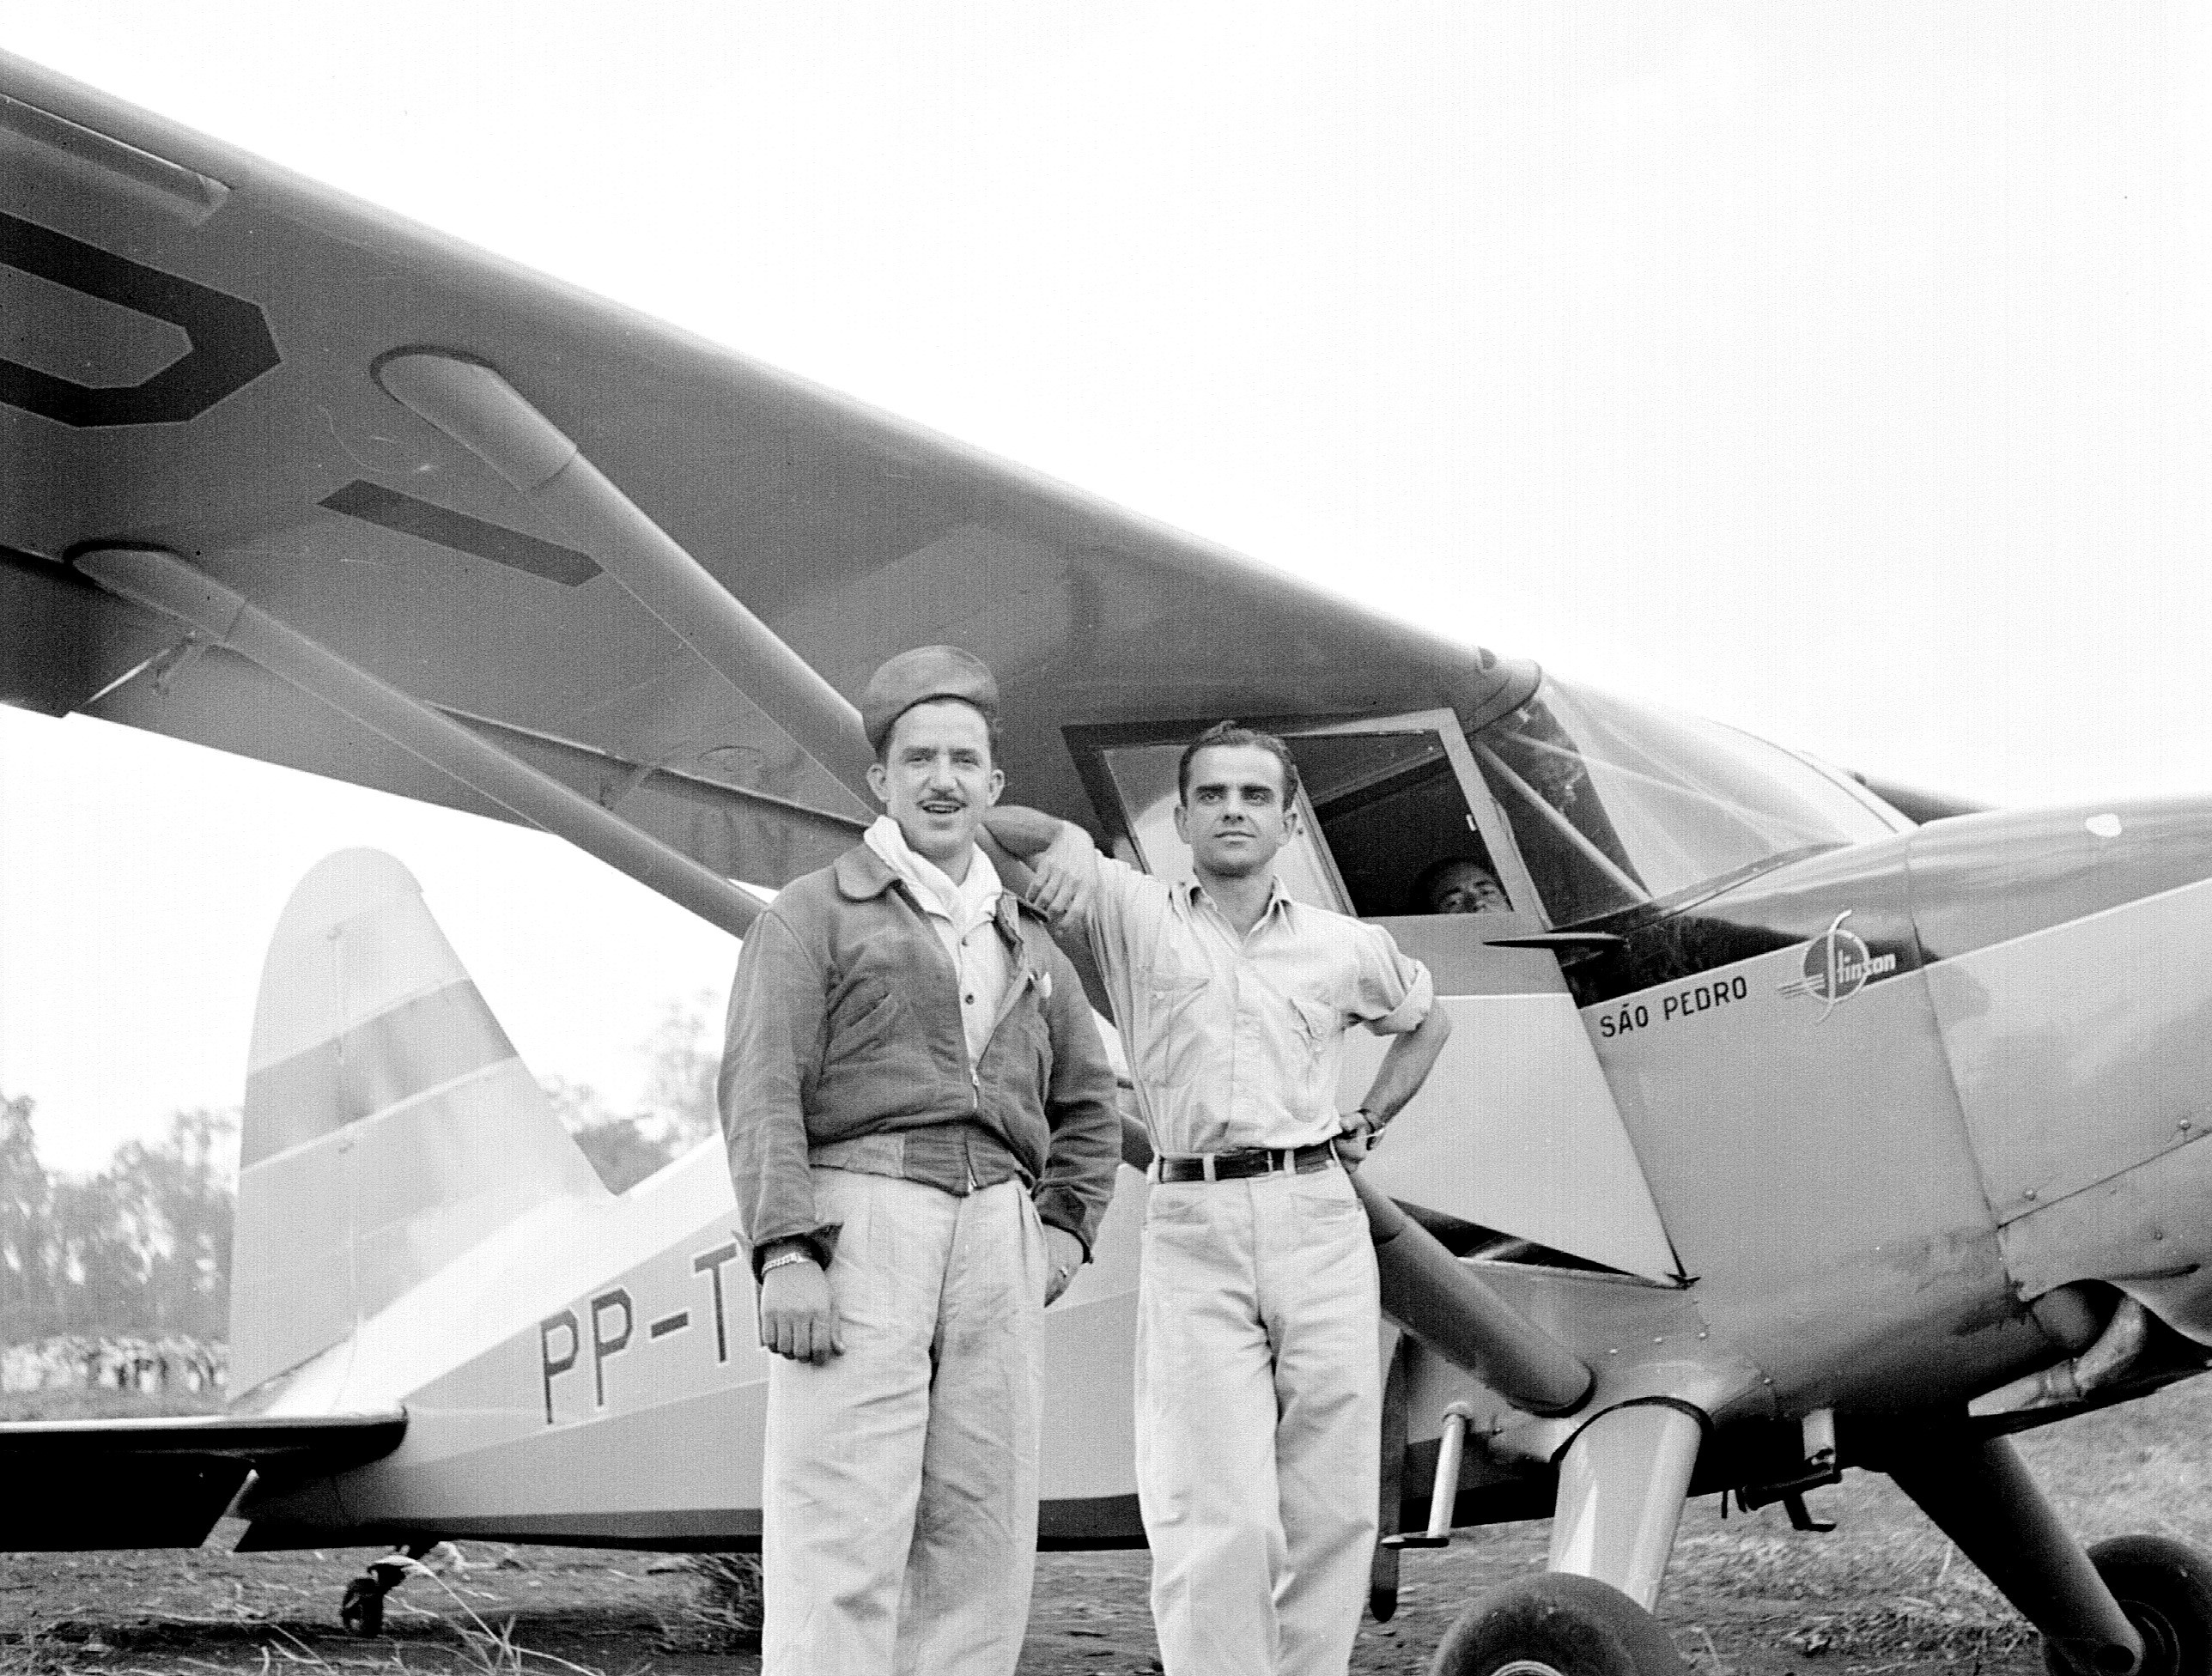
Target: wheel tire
x=362, y=1610
x=2165, y=1588
x=1556, y=1626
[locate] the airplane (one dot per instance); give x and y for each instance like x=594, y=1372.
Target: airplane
x=1790, y=1122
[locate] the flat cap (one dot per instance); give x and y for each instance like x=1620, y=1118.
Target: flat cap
x=917, y=676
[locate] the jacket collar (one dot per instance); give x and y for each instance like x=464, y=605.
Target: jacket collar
x=862, y=875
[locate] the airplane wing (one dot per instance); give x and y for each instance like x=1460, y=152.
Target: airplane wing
x=163, y=1483
x=194, y=358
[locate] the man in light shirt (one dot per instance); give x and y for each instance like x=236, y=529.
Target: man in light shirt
x=922, y=1138
x=1258, y=1382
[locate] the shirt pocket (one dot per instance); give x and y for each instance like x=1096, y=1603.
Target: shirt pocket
x=1317, y=1023
x=1170, y=1047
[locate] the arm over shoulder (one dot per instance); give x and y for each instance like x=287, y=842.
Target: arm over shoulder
x=1125, y=900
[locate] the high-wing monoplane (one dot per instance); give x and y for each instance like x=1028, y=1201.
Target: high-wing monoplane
x=1789, y=1122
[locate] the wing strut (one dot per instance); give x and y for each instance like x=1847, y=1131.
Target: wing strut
x=162, y=582
x=472, y=403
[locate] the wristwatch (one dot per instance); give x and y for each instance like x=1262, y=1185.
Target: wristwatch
x=797, y=1251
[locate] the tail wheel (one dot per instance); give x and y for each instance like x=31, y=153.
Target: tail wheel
x=363, y=1610
x=2165, y=1588
x=1556, y=1626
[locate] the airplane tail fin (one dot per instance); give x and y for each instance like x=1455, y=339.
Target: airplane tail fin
x=389, y=1125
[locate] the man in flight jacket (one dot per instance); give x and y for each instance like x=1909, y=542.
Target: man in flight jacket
x=923, y=1137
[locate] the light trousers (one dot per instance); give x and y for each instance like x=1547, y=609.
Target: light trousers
x=899, y=1484
x=1259, y=1405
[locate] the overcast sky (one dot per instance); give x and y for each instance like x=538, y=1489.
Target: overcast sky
x=1839, y=371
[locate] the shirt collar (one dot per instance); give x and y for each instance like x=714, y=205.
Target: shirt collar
x=1279, y=899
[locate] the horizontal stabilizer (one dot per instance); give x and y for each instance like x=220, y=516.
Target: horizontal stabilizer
x=163, y=1483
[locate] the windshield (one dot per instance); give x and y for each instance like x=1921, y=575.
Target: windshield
x=1615, y=804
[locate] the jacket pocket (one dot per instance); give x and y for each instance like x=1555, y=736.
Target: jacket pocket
x=869, y=1015
x=1033, y=1039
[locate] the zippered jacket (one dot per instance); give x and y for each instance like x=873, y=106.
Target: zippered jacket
x=845, y=1048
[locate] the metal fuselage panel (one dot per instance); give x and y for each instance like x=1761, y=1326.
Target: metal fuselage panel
x=1805, y=1149
x=2073, y=985
x=2084, y=1049
x=1515, y=1130
x=1871, y=1092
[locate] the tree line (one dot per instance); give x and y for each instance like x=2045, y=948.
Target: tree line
x=142, y=1249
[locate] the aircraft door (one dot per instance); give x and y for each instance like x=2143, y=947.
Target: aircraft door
x=1516, y=1130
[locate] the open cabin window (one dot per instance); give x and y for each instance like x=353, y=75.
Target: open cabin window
x=1394, y=817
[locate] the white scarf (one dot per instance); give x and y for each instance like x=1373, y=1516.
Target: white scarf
x=962, y=916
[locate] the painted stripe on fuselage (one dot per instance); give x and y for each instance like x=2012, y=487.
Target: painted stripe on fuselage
x=393, y=1058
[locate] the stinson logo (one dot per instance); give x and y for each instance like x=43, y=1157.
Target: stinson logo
x=1838, y=965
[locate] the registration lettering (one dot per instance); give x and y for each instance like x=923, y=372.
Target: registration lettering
x=603, y=1327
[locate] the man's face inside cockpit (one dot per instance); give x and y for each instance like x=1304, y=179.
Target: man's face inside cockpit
x=1467, y=887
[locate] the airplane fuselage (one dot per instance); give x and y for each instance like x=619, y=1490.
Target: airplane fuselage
x=1885, y=1098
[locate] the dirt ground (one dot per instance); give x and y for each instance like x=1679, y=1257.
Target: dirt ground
x=1746, y=1596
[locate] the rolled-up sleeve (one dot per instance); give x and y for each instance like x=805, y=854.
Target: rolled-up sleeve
x=1392, y=992
x=1085, y=1149
x=773, y=1033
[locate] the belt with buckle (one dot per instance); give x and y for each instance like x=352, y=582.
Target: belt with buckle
x=1245, y=1161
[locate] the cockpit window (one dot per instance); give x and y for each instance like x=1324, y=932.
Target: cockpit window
x=1613, y=803
x=1608, y=805
x=1397, y=825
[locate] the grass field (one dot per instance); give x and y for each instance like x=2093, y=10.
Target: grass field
x=1746, y=1596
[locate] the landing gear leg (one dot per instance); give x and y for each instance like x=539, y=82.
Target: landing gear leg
x=362, y=1610
x=1981, y=1496
x=1621, y=1485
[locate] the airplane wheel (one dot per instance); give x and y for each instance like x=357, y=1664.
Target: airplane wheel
x=363, y=1610
x=1556, y=1626
x=2165, y=1588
